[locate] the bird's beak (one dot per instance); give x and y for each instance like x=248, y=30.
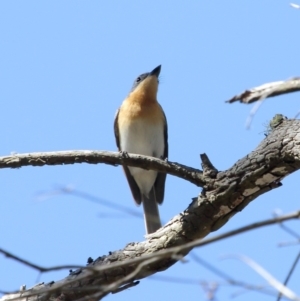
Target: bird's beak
x=156, y=71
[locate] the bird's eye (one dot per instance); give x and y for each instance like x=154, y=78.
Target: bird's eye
x=138, y=79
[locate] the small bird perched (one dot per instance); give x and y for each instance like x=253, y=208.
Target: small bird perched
x=141, y=128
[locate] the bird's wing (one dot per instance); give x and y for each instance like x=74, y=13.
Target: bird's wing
x=159, y=185
x=116, y=129
x=133, y=186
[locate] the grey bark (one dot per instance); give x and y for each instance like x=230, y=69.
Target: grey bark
x=224, y=194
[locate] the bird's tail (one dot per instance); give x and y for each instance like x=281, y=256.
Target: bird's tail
x=151, y=212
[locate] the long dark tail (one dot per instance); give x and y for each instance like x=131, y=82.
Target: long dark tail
x=151, y=212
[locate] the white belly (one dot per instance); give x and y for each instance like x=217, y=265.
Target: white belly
x=144, y=139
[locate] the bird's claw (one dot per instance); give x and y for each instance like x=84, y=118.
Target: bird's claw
x=124, y=154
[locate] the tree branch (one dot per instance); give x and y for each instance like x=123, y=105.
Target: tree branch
x=35, y=266
x=68, y=284
x=112, y=158
x=225, y=194
x=267, y=90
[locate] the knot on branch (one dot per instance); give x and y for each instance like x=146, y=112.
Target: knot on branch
x=276, y=121
x=208, y=169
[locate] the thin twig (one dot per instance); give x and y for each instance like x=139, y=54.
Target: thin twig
x=228, y=278
x=268, y=277
x=290, y=231
x=289, y=274
x=64, y=190
x=260, y=101
x=37, y=267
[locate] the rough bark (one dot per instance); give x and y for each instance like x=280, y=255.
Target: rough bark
x=224, y=194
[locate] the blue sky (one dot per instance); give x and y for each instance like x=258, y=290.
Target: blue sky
x=66, y=66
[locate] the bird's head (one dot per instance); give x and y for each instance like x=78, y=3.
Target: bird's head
x=146, y=84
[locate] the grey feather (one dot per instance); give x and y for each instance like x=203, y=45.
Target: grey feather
x=151, y=213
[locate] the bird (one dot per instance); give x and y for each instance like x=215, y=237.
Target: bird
x=140, y=127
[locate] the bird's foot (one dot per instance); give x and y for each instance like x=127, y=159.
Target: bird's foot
x=124, y=154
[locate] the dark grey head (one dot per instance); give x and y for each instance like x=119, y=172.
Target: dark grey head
x=155, y=72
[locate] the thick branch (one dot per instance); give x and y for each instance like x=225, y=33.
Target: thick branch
x=267, y=90
x=225, y=193
x=112, y=158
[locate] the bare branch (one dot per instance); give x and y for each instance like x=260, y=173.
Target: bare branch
x=38, y=267
x=225, y=193
x=229, y=280
x=255, y=108
x=289, y=274
x=63, y=190
x=94, y=157
x=270, y=89
x=271, y=279
x=100, y=265
x=290, y=231
x=196, y=243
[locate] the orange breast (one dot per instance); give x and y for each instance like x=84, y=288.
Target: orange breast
x=133, y=108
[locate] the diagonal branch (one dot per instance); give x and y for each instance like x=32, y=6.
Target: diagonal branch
x=225, y=193
x=168, y=252
x=267, y=90
x=100, y=266
x=289, y=274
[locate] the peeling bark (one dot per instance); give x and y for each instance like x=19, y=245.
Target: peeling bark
x=267, y=90
x=224, y=194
